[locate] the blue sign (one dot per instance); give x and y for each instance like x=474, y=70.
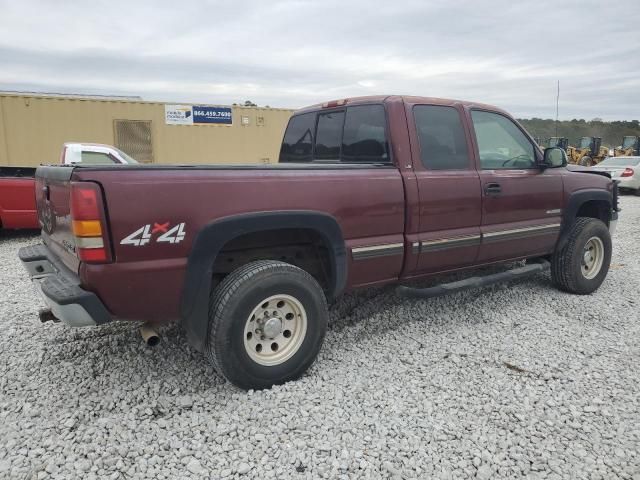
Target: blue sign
x=218, y=115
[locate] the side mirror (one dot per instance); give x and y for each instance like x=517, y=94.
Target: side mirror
x=554, y=157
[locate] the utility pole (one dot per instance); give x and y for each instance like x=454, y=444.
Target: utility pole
x=557, y=104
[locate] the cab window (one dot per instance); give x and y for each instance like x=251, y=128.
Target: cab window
x=329, y=136
x=442, y=142
x=501, y=144
x=297, y=145
x=356, y=134
x=364, y=139
x=96, y=158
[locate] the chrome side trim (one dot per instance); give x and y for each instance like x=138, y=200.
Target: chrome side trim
x=360, y=253
x=555, y=211
x=520, y=232
x=452, y=242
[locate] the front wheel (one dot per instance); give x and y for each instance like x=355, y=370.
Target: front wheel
x=586, y=161
x=267, y=322
x=582, y=264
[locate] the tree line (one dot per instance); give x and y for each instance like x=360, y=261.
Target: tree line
x=610, y=132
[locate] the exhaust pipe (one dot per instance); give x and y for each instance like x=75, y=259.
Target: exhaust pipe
x=149, y=335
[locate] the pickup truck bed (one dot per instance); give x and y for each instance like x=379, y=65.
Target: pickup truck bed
x=368, y=213
x=368, y=191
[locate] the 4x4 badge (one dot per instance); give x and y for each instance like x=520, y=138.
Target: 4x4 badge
x=144, y=234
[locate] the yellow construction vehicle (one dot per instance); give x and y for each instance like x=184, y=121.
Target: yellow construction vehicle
x=559, y=142
x=630, y=147
x=588, y=152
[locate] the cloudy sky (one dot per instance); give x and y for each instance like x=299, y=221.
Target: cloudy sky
x=290, y=53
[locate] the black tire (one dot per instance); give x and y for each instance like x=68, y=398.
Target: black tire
x=230, y=307
x=586, y=161
x=566, y=264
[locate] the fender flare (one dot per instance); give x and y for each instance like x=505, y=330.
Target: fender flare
x=576, y=200
x=194, y=305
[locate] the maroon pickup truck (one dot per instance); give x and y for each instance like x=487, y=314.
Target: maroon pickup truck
x=368, y=191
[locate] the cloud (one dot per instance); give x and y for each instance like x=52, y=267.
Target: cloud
x=291, y=53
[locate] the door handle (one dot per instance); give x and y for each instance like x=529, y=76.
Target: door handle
x=492, y=189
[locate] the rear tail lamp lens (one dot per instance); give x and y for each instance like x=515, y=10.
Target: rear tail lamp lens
x=87, y=228
x=628, y=172
x=88, y=217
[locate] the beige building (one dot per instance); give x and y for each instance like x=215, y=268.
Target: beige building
x=34, y=127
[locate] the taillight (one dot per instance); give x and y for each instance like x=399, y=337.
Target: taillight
x=88, y=223
x=628, y=172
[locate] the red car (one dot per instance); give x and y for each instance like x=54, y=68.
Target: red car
x=368, y=191
x=17, y=198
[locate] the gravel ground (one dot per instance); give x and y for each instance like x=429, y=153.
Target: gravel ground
x=514, y=380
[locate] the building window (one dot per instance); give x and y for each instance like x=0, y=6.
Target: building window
x=134, y=138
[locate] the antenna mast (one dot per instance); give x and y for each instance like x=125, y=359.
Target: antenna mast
x=557, y=104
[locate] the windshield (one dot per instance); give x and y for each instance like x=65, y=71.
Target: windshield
x=620, y=162
x=628, y=142
x=585, y=142
x=126, y=157
x=554, y=141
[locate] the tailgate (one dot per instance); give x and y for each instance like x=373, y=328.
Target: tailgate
x=53, y=201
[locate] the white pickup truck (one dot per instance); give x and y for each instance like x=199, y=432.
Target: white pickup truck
x=93, y=153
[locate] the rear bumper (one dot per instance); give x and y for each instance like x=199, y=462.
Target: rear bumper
x=630, y=183
x=60, y=289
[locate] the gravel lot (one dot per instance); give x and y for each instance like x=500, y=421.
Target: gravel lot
x=515, y=380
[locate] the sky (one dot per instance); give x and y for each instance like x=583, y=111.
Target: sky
x=292, y=53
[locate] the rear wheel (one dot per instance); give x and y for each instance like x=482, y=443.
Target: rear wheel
x=582, y=264
x=267, y=322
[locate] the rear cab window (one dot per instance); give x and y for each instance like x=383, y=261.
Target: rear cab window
x=620, y=162
x=329, y=136
x=365, y=139
x=297, y=145
x=352, y=135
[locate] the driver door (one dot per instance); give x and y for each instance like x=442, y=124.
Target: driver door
x=521, y=203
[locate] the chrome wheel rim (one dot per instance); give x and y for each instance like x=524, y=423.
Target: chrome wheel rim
x=275, y=329
x=592, y=258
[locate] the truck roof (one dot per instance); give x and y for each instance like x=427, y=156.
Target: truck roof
x=89, y=144
x=396, y=98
